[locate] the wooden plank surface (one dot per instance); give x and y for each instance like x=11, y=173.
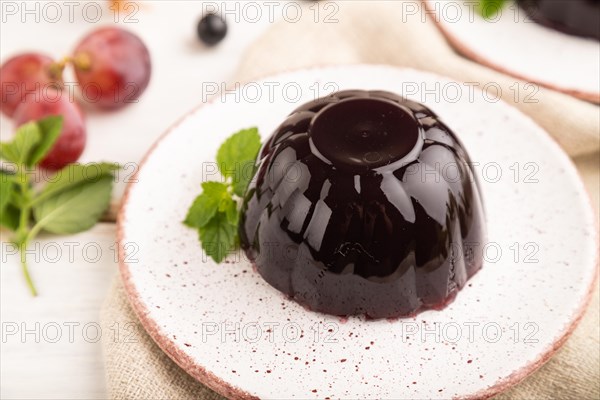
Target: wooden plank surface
x=50, y=344
x=72, y=290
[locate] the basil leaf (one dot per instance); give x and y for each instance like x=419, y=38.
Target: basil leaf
x=239, y=149
x=218, y=237
x=50, y=129
x=206, y=205
x=73, y=175
x=26, y=138
x=75, y=209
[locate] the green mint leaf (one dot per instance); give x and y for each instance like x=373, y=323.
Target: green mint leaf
x=50, y=128
x=240, y=183
x=18, y=150
x=9, y=214
x=489, y=8
x=207, y=204
x=18, y=199
x=7, y=187
x=218, y=237
x=6, y=153
x=234, y=154
x=229, y=207
x=9, y=217
x=75, y=209
x=76, y=174
x=215, y=212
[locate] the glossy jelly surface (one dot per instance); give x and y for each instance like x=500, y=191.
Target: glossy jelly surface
x=575, y=17
x=364, y=203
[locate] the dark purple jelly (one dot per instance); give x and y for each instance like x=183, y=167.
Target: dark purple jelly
x=364, y=203
x=576, y=17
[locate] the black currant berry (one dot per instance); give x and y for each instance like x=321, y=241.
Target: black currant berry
x=211, y=29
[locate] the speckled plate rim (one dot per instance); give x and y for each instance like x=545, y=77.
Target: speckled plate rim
x=472, y=54
x=190, y=366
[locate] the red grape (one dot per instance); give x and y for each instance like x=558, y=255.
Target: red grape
x=22, y=75
x=113, y=67
x=71, y=141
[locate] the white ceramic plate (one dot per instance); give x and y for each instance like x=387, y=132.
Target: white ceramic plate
x=513, y=44
x=228, y=328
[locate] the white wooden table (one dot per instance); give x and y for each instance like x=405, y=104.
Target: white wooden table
x=50, y=347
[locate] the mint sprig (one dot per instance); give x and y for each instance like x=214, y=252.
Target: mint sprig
x=489, y=8
x=214, y=213
x=73, y=201
x=236, y=158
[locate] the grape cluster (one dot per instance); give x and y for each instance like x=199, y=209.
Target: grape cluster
x=112, y=67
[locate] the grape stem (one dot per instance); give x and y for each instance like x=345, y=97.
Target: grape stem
x=80, y=61
x=56, y=69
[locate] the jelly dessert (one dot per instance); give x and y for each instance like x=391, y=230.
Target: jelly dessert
x=576, y=17
x=364, y=203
